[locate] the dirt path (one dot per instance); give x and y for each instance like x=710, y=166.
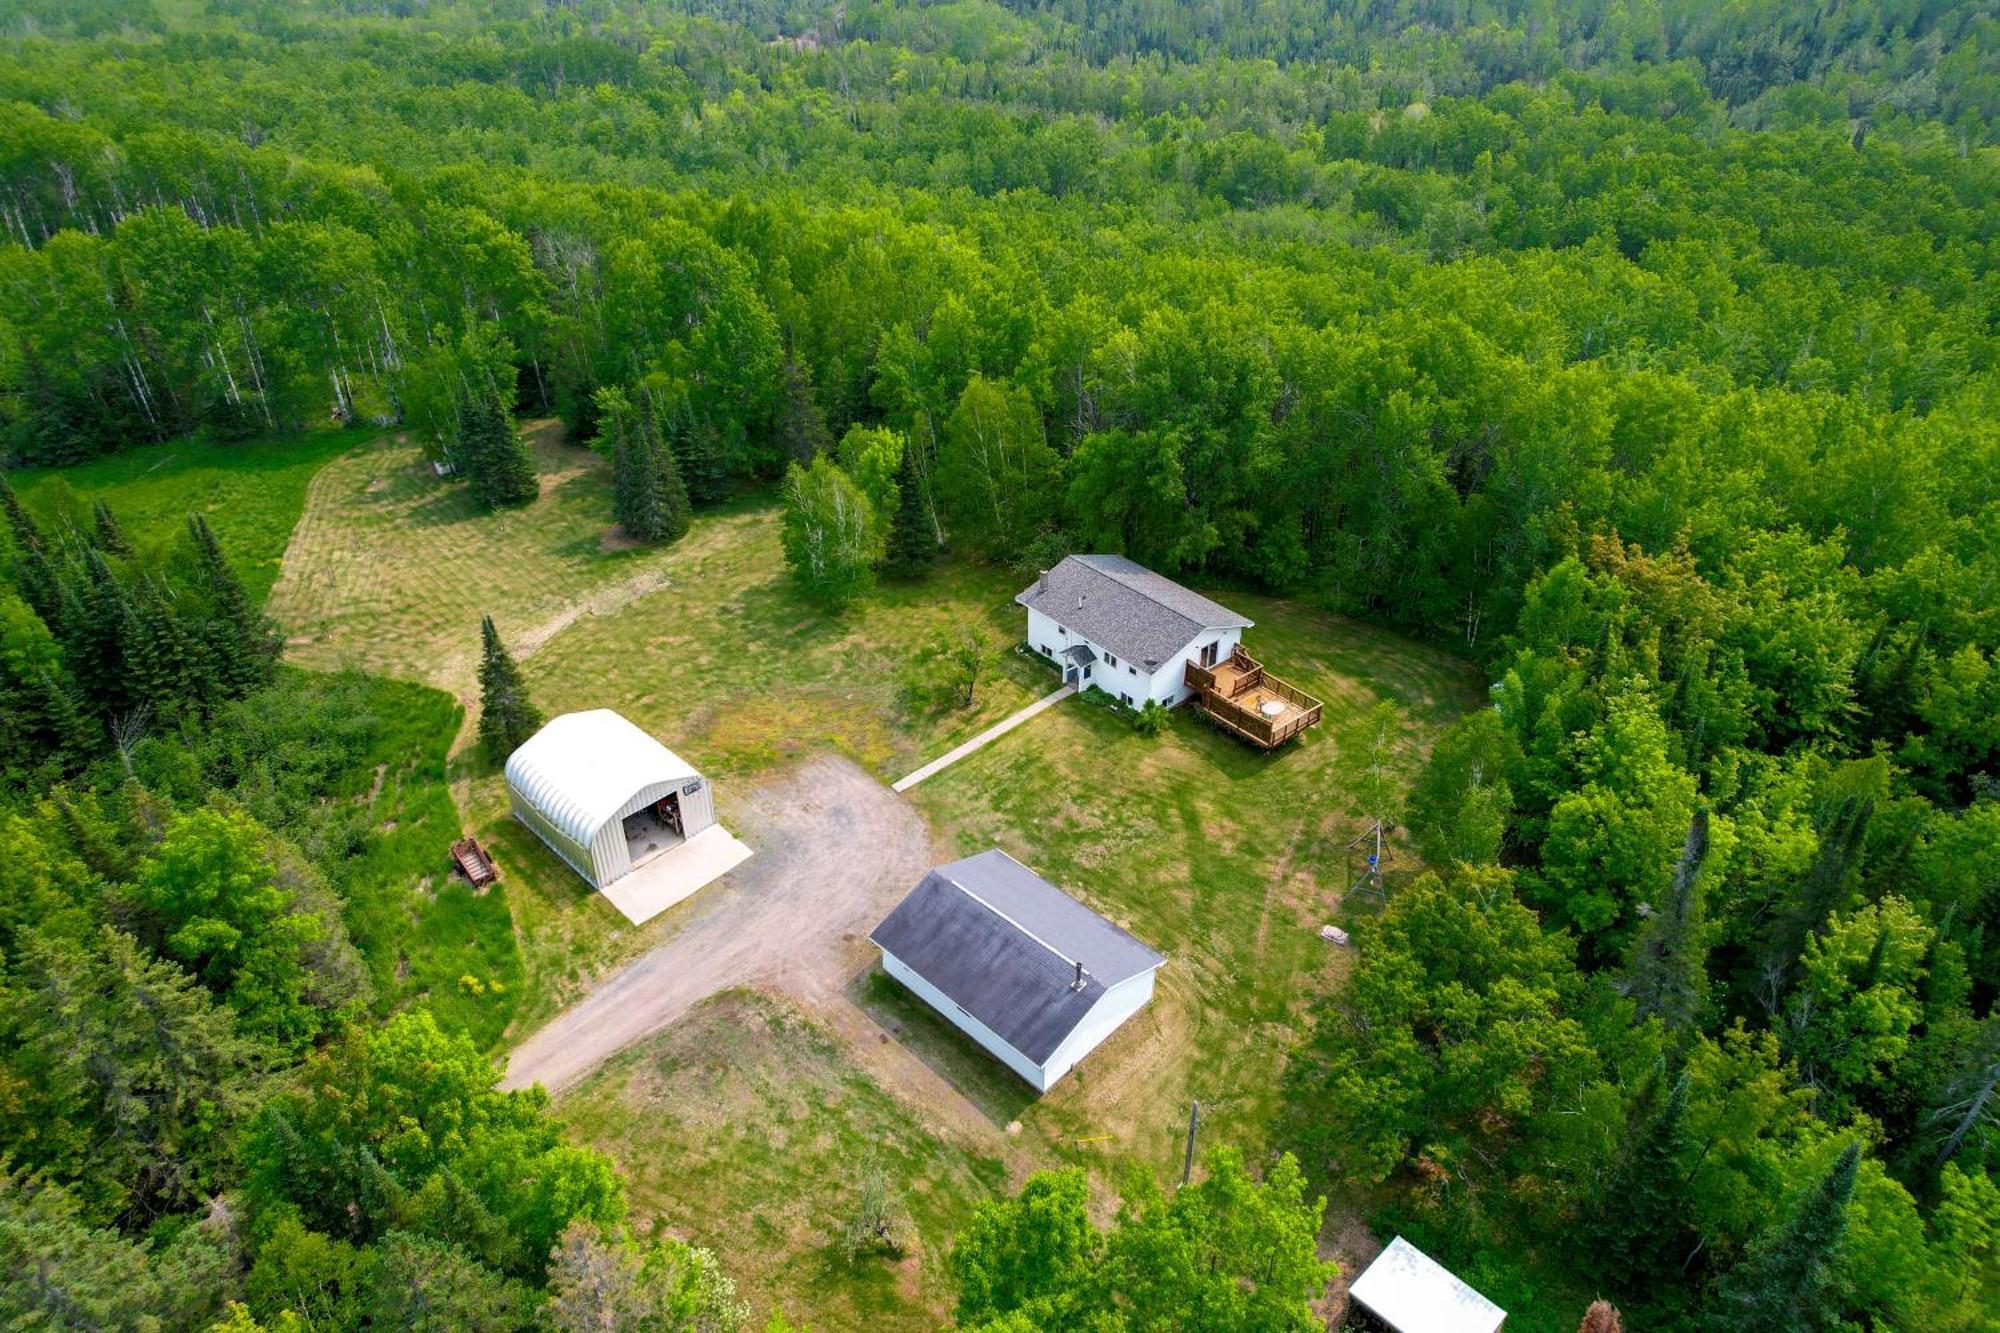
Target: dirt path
x=835, y=850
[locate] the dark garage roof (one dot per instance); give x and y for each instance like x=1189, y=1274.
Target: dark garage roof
x=1003, y=943
x=1126, y=608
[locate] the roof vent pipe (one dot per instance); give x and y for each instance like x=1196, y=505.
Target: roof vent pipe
x=1077, y=985
x=1042, y=584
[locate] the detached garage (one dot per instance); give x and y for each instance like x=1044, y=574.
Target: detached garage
x=611, y=801
x=1018, y=965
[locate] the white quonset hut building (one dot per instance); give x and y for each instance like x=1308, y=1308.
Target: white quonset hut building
x=1024, y=969
x=628, y=814
x=1130, y=632
x=1407, y=1291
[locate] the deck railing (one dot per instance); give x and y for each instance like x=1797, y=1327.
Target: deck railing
x=1219, y=701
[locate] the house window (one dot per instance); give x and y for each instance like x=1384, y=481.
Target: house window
x=1046, y=651
x=1109, y=660
x=1131, y=670
x=1060, y=630
x=1126, y=697
x=1086, y=673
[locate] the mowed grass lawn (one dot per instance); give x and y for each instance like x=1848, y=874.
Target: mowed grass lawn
x=391, y=567
x=1222, y=857
x=251, y=494
x=743, y=1127
x=746, y=1128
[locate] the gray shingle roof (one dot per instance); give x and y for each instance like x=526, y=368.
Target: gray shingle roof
x=1003, y=943
x=1126, y=608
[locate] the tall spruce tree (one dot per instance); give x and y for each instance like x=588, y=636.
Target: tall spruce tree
x=34, y=573
x=506, y=717
x=1666, y=978
x=495, y=458
x=1786, y=1283
x=27, y=537
x=801, y=425
x=676, y=509
x=1817, y=897
x=106, y=535
x=168, y=662
x=94, y=628
x=649, y=499
x=242, y=640
x=912, y=545
x=1642, y=1223
x=697, y=450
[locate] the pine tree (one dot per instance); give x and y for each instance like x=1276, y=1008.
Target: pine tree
x=167, y=662
x=495, y=458
x=1816, y=899
x=75, y=736
x=241, y=640
x=1785, y=1285
x=635, y=482
x=106, y=535
x=94, y=628
x=1666, y=977
x=677, y=512
x=912, y=543
x=506, y=717
x=651, y=502
x=801, y=425
x=1642, y=1221
x=697, y=450
x=27, y=537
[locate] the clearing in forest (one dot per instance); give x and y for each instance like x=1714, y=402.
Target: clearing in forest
x=1224, y=858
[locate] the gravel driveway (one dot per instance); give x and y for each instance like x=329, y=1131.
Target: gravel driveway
x=835, y=850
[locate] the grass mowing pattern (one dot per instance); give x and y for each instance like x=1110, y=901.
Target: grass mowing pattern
x=1222, y=857
x=745, y=1128
x=391, y=567
x=250, y=493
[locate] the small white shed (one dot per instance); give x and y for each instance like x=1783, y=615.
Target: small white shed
x=1407, y=1291
x=604, y=795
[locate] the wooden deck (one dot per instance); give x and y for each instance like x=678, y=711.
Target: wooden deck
x=1241, y=697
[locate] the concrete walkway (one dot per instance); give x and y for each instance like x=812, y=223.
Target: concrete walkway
x=984, y=738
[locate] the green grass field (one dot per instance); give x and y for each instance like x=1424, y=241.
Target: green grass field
x=428, y=936
x=746, y=1128
x=250, y=493
x=1224, y=858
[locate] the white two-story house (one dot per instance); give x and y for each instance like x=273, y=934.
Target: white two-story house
x=1130, y=632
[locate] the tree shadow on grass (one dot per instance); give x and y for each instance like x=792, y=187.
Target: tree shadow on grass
x=452, y=504
x=993, y=1089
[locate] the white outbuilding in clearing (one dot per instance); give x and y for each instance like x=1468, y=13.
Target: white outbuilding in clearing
x=1407, y=1291
x=1021, y=967
x=628, y=814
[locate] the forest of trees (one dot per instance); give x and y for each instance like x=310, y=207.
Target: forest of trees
x=1643, y=351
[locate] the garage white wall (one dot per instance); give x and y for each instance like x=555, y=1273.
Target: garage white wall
x=1116, y=1005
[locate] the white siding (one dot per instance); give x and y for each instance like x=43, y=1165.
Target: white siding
x=1167, y=685
x=559, y=842
x=1116, y=1005
x=972, y=1027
